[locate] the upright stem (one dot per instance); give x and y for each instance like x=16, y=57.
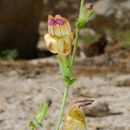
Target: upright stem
x=81, y=5
x=72, y=63
x=77, y=35
x=62, y=107
x=75, y=46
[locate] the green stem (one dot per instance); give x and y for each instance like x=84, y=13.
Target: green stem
x=72, y=63
x=62, y=107
x=32, y=128
x=77, y=36
x=81, y=5
x=75, y=46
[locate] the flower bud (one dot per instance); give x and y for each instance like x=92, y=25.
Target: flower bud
x=86, y=13
x=89, y=6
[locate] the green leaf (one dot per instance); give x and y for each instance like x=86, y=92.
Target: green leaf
x=39, y=118
x=40, y=125
x=72, y=81
x=31, y=124
x=41, y=112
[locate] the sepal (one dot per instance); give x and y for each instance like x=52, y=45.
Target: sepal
x=65, y=66
x=68, y=81
x=84, y=17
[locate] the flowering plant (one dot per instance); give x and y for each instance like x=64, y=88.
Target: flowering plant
x=59, y=41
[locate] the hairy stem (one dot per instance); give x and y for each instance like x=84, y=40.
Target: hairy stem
x=81, y=5
x=75, y=46
x=77, y=36
x=62, y=107
x=72, y=63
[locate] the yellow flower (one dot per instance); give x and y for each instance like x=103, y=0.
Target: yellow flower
x=74, y=119
x=59, y=37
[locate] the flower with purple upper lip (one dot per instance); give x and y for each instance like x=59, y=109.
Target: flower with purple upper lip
x=59, y=37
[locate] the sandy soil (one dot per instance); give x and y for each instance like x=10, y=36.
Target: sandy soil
x=26, y=84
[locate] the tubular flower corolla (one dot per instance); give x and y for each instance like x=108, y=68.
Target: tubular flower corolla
x=59, y=37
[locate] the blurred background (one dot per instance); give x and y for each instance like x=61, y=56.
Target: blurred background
x=28, y=70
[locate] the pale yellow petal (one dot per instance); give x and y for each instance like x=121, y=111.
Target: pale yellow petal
x=73, y=124
x=67, y=45
x=60, y=47
x=51, y=43
x=50, y=27
x=68, y=25
x=51, y=30
x=65, y=20
x=71, y=34
x=60, y=44
x=74, y=118
x=57, y=31
x=64, y=29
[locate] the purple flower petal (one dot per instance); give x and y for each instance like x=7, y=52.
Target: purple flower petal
x=60, y=22
x=52, y=22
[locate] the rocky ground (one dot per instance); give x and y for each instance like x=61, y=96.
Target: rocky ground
x=26, y=84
